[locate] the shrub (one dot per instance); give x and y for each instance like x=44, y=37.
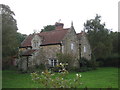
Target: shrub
x=86, y=65
x=60, y=67
x=49, y=80
x=7, y=63
x=111, y=61
x=66, y=58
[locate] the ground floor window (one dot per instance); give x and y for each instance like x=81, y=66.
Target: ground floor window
x=53, y=62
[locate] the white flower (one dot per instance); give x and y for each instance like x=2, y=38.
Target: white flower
x=60, y=63
x=63, y=69
x=77, y=75
x=80, y=75
x=66, y=63
x=42, y=72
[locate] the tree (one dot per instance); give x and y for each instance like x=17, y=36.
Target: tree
x=20, y=37
x=99, y=37
x=115, y=37
x=48, y=28
x=9, y=31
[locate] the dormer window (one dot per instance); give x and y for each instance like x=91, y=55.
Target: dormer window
x=36, y=44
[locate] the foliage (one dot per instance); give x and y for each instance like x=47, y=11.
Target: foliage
x=99, y=37
x=20, y=37
x=48, y=79
x=9, y=32
x=111, y=61
x=66, y=58
x=48, y=28
x=7, y=63
x=87, y=65
x=60, y=67
x=115, y=37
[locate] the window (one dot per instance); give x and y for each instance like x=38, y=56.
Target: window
x=53, y=62
x=36, y=44
x=72, y=45
x=84, y=49
x=62, y=49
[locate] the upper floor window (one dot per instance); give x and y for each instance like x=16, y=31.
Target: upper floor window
x=72, y=45
x=84, y=49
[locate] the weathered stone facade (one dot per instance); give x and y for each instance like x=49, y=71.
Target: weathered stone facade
x=42, y=48
x=70, y=44
x=85, y=50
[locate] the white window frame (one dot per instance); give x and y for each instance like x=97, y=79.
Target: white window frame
x=52, y=62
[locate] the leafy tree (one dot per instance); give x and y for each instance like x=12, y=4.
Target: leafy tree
x=20, y=37
x=115, y=37
x=99, y=37
x=9, y=31
x=48, y=28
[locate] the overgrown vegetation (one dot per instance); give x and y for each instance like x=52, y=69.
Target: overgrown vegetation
x=66, y=58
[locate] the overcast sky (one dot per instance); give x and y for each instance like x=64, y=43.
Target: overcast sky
x=34, y=14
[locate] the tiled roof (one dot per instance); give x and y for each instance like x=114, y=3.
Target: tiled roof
x=27, y=41
x=28, y=52
x=51, y=37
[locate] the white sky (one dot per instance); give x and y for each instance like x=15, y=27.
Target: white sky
x=34, y=14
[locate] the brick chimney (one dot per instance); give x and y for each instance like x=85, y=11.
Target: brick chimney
x=58, y=26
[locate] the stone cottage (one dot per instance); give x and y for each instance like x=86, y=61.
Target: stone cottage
x=41, y=48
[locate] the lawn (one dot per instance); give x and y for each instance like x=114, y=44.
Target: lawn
x=100, y=78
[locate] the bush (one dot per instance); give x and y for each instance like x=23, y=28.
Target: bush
x=86, y=65
x=66, y=58
x=60, y=67
x=49, y=80
x=7, y=63
x=111, y=61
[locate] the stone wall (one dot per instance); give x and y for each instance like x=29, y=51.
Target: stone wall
x=36, y=41
x=85, y=47
x=71, y=46
x=22, y=64
x=50, y=51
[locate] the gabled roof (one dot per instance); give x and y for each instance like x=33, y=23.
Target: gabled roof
x=51, y=37
x=79, y=35
x=27, y=41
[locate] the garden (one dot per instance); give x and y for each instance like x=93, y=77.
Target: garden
x=106, y=77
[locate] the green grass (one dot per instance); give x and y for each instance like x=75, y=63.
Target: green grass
x=100, y=78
